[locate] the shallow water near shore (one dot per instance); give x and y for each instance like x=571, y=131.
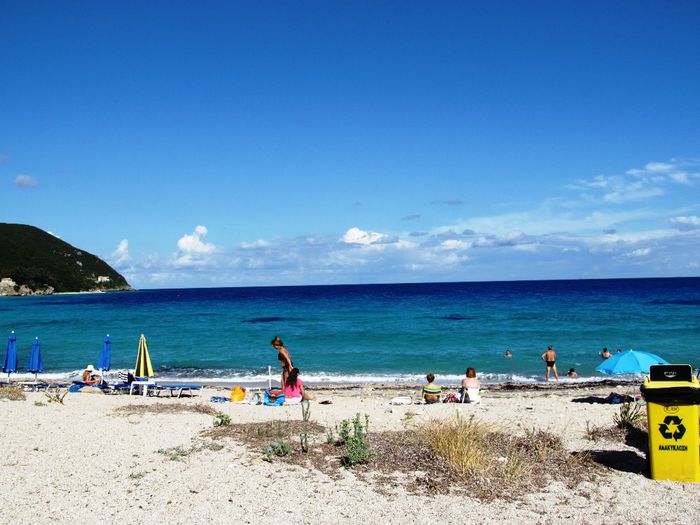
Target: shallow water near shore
x=364, y=333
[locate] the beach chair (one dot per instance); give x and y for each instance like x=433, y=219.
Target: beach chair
x=124, y=385
x=177, y=390
x=471, y=395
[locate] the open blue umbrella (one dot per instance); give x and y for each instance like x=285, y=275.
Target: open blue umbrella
x=105, y=360
x=630, y=362
x=10, y=364
x=35, y=363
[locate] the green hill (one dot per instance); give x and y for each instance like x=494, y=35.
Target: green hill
x=39, y=262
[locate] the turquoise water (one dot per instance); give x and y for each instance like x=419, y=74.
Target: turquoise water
x=373, y=333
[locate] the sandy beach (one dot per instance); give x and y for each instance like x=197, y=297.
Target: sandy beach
x=130, y=459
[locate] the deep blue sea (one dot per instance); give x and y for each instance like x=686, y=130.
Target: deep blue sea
x=364, y=333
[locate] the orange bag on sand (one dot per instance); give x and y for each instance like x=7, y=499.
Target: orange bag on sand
x=237, y=394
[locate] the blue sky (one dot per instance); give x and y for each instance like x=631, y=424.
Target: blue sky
x=268, y=143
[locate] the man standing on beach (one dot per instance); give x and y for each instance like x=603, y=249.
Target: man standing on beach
x=549, y=357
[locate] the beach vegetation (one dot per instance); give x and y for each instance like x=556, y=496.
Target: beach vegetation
x=12, y=393
x=357, y=446
x=39, y=404
x=629, y=415
x=222, y=419
x=176, y=453
x=304, y=440
x=489, y=462
x=305, y=410
x=277, y=448
x=57, y=396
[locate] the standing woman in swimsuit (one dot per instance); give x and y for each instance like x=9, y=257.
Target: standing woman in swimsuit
x=284, y=357
x=550, y=357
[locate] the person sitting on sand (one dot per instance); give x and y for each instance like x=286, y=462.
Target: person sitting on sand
x=90, y=377
x=470, y=381
x=605, y=354
x=284, y=358
x=508, y=354
x=572, y=373
x=431, y=391
x=550, y=357
x=294, y=391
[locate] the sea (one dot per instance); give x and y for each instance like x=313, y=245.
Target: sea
x=376, y=333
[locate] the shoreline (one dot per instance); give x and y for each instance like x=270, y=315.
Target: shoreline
x=563, y=386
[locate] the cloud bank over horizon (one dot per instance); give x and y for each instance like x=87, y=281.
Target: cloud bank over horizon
x=638, y=223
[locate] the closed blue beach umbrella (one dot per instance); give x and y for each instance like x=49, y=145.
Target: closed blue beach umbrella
x=10, y=364
x=630, y=362
x=105, y=360
x=35, y=363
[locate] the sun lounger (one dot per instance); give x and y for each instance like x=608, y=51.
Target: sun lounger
x=177, y=390
x=32, y=386
x=119, y=388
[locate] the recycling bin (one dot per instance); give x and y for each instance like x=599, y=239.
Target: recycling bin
x=673, y=395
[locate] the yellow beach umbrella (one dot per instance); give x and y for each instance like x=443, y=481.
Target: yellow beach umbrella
x=143, y=366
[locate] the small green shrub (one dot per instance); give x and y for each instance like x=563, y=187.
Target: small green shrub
x=175, y=453
x=357, y=447
x=305, y=410
x=304, y=438
x=629, y=415
x=221, y=419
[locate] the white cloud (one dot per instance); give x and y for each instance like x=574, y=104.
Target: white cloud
x=193, y=250
x=260, y=243
x=357, y=236
x=26, y=181
x=455, y=244
x=121, y=255
x=686, y=223
x=193, y=243
x=639, y=252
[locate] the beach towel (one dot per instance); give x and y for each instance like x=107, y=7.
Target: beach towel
x=273, y=398
x=402, y=400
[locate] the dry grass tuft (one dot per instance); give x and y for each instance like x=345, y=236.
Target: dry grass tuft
x=475, y=458
x=163, y=408
x=12, y=393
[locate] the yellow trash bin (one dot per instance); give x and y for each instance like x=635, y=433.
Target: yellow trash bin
x=673, y=395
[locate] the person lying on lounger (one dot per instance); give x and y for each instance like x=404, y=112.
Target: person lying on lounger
x=90, y=377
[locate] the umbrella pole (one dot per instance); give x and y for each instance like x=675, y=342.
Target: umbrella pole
x=269, y=377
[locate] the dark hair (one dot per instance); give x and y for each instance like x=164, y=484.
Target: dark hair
x=276, y=341
x=430, y=377
x=471, y=372
x=292, y=377
x=572, y=370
